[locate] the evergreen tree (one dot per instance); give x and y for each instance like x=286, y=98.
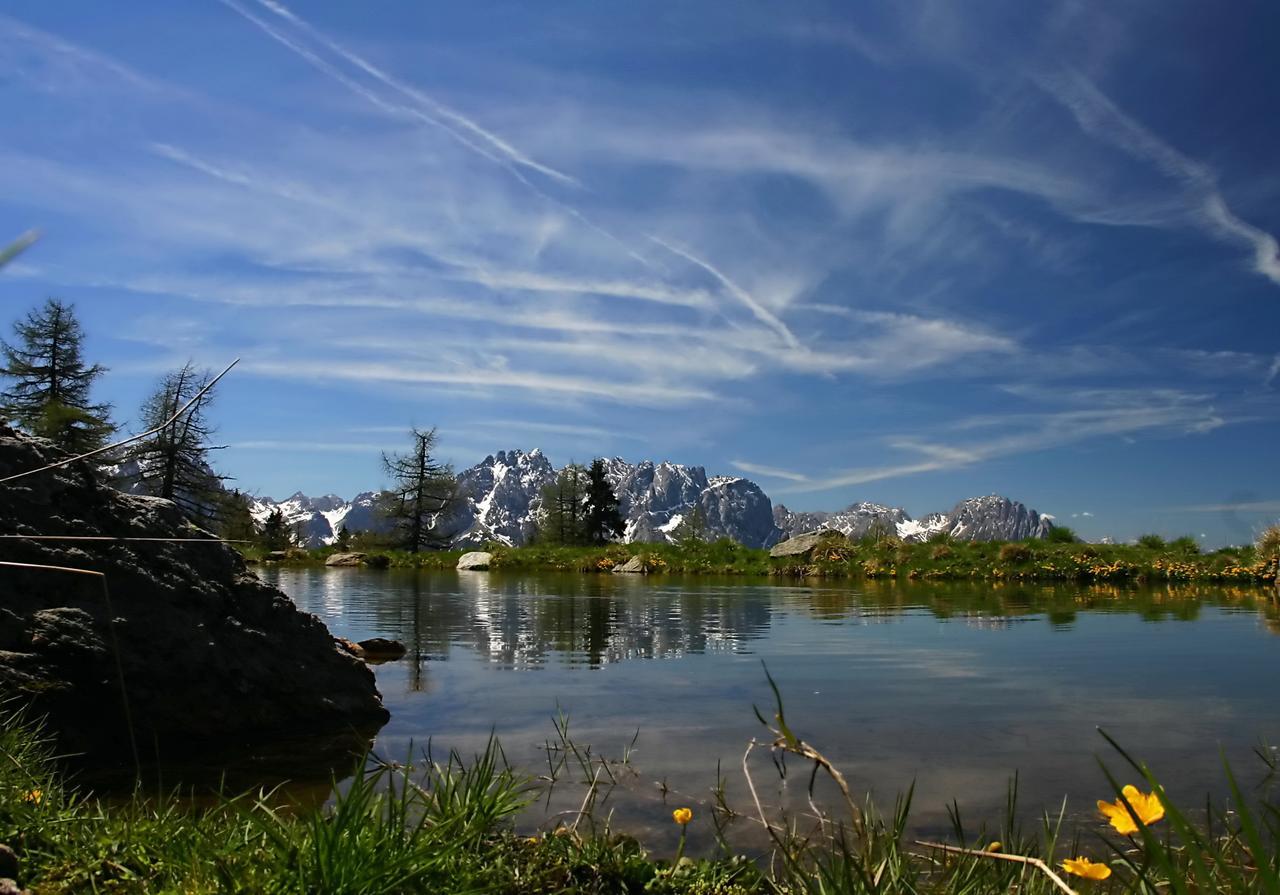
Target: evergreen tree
x=343, y=542
x=235, y=518
x=421, y=495
x=174, y=463
x=692, y=528
x=276, y=534
x=51, y=395
x=562, y=519
x=603, y=522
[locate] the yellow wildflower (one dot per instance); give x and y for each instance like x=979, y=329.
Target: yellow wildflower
x=682, y=815
x=34, y=796
x=1146, y=806
x=1086, y=868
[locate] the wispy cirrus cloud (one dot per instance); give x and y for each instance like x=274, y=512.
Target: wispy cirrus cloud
x=1246, y=506
x=1121, y=414
x=1104, y=120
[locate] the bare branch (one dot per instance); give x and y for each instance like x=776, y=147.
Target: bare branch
x=129, y=440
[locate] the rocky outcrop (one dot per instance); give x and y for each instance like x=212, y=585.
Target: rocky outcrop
x=476, y=561
x=209, y=664
x=633, y=566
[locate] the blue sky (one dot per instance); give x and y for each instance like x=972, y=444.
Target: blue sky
x=906, y=252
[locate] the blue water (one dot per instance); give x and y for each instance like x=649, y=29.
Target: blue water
x=954, y=687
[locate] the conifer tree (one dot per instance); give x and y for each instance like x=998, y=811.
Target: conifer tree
x=562, y=519
x=276, y=534
x=174, y=463
x=603, y=523
x=50, y=397
x=421, y=496
x=235, y=519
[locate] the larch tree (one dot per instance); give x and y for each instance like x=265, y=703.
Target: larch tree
x=174, y=463
x=50, y=395
x=421, y=496
x=603, y=522
x=562, y=518
x=692, y=528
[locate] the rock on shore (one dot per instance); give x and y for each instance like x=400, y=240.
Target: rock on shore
x=217, y=666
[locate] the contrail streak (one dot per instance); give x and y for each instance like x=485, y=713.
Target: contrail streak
x=763, y=314
x=502, y=146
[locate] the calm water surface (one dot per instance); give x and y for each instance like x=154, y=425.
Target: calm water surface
x=956, y=687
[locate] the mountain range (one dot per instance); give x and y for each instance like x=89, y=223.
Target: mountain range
x=499, y=499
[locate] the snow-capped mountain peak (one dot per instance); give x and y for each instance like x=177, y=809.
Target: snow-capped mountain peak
x=499, y=500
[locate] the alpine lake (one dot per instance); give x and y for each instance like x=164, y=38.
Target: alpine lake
x=952, y=687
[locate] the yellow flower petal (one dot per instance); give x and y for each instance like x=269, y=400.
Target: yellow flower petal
x=1146, y=806
x=682, y=815
x=1086, y=868
x=1116, y=815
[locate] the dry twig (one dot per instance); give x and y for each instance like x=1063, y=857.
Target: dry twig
x=1002, y=856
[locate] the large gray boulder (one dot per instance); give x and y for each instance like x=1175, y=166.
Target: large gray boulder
x=802, y=545
x=345, y=559
x=216, y=667
x=476, y=561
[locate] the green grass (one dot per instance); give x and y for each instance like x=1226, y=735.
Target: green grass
x=1047, y=560
x=449, y=827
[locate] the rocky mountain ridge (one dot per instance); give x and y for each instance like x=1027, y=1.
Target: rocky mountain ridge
x=500, y=498
x=989, y=518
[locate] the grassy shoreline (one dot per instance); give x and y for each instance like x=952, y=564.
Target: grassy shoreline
x=938, y=560
x=450, y=827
